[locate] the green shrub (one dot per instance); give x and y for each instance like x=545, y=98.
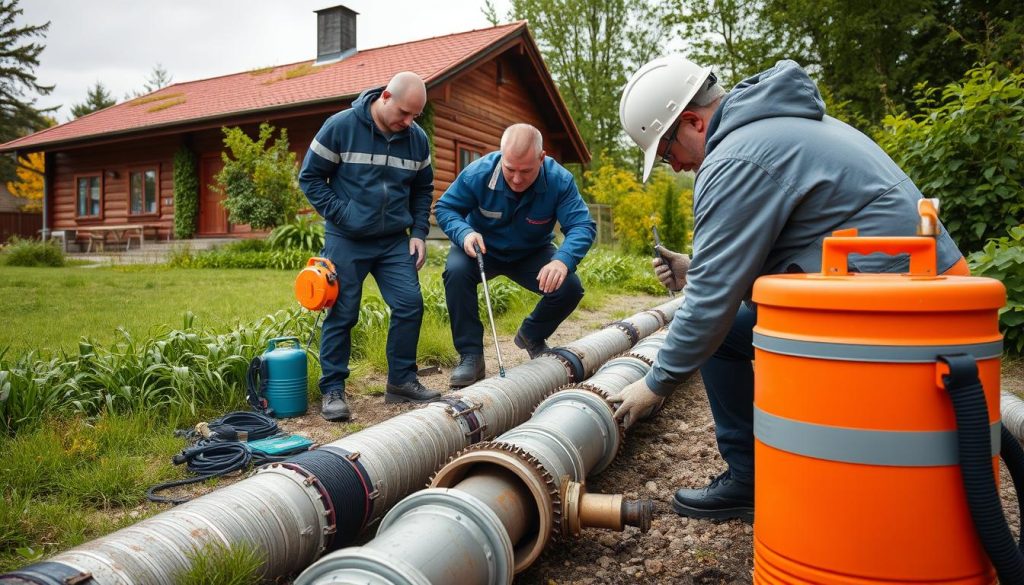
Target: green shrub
x=229, y=257
x=966, y=149
x=247, y=245
x=305, y=233
x=665, y=201
x=1003, y=260
x=186, y=193
x=21, y=252
x=260, y=181
x=628, y=273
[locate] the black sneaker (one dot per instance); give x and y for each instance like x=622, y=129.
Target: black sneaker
x=334, y=408
x=534, y=348
x=723, y=499
x=470, y=370
x=412, y=391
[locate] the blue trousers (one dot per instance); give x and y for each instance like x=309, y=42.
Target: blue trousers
x=729, y=382
x=462, y=275
x=388, y=260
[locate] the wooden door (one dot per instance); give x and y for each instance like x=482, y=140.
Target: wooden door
x=213, y=218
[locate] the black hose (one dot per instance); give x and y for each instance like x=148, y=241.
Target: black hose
x=1013, y=456
x=975, y=450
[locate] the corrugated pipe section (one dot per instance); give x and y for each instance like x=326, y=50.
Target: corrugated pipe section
x=293, y=512
x=491, y=511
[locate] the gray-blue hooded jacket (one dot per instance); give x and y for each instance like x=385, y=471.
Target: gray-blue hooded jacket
x=365, y=184
x=777, y=178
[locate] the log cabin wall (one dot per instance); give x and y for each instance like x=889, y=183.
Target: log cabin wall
x=473, y=110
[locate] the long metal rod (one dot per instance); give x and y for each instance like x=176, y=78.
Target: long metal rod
x=295, y=511
x=490, y=313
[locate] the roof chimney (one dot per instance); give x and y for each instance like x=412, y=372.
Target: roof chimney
x=335, y=34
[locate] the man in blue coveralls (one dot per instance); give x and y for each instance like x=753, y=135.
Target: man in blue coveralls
x=368, y=174
x=506, y=204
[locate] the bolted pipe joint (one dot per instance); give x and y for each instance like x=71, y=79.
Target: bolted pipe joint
x=610, y=511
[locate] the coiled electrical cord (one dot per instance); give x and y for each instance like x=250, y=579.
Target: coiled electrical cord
x=219, y=450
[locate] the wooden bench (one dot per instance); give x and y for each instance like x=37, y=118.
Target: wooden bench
x=120, y=233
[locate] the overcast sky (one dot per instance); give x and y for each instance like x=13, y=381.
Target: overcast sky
x=118, y=42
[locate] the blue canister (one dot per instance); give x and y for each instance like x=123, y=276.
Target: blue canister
x=284, y=383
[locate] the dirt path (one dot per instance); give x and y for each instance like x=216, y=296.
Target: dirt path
x=675, y=449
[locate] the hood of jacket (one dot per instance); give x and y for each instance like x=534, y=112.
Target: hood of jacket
x=784, y=91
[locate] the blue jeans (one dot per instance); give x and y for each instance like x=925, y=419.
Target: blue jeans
x=388, y=260
x=461, y=276
x=729, y=382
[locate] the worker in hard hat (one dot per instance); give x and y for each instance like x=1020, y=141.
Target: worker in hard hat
x=775, y=176
x=506, y=204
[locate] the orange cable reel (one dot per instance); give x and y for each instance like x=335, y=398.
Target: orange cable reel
x=316, y=286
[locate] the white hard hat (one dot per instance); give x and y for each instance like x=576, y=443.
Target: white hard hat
x=654, y=98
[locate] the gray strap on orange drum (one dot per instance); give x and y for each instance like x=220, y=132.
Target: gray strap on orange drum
x=873, y=353
x=865, y=446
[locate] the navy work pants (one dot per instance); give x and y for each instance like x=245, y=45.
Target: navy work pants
x=729, y=382
x=462, y=275
x=388, y=260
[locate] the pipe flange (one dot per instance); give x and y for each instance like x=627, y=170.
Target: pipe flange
x=572, y=359
x=660, y=315
x=639, y=356
x=629, y=329
x=530, y=471
x=318, y=495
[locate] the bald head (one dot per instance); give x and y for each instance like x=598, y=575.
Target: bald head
x=407, y=85
x=401, y=102
x=522, y=140
x=522, y=156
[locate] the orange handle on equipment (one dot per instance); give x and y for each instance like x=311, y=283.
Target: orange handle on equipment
x=315, y=259
x=835, y=250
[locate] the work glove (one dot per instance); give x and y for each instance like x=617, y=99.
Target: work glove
x=636, y=402
x=670, y=268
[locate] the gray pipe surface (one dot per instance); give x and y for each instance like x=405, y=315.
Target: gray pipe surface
x=571, y=434
x=288, y=512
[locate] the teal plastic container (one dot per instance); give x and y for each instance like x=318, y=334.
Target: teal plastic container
x=286, y=383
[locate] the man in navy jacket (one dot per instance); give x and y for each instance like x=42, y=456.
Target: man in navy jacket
x=368, y=174
x=507, y=204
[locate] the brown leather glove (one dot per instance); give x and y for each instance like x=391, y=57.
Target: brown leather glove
x=670, y=268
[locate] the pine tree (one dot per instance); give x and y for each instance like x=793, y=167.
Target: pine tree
x=18, y=59
x=159, y=78
x=97, y=99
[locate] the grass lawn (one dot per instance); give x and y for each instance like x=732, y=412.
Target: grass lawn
x=50, y=308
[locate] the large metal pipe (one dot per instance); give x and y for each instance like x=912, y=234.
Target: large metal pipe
x=1011, y=410
x=529, y=480
x=292, y=512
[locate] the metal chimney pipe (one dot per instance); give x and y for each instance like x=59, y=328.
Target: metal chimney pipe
x=296, y=510
x=529, y=479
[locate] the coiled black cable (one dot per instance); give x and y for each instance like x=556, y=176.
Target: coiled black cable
x=221, y=453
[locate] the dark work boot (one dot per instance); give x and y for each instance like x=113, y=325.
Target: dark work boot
x=334, y=407
x=470, y=370
x=723, y=499
x=534, y=348
x=412, y=391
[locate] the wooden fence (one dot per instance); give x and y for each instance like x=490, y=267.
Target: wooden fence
x=16, y=223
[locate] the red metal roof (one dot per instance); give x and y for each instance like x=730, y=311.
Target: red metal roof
x=273, y=88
